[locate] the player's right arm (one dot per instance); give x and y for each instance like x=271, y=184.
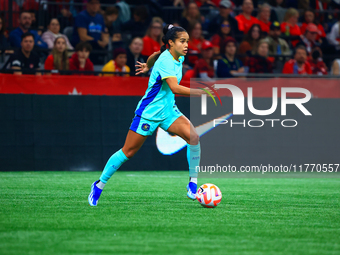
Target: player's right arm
x=145, y=67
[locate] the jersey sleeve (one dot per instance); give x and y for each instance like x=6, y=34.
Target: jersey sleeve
x=81, y=22
x=166, y=69
x=15, y=61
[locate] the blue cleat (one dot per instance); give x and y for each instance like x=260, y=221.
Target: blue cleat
x=94, y=194
x=191, y=188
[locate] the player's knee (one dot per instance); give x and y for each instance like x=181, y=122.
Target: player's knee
x=194, y=138
x=129, y=153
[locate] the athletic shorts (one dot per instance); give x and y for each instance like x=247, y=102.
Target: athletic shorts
x=147, y=127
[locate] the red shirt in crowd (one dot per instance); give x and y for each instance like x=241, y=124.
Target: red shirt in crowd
x=292, y=31
x=216, y=40
x=291, y=67
x=194, y=49
x=318, y=67
x=259, y=64
x=321, y=33
x=49, y=63
x=199, y=2
x=245, y=24
x=265, y=26
x=75, y=65
x=149, y=46
x=202, y=66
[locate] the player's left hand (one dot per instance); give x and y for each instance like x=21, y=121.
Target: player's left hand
x=208, y=89
x=141, y=68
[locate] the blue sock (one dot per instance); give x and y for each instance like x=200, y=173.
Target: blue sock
x=112, y=165
x=194, y=157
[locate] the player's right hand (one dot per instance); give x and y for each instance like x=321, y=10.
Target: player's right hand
x=141, y=68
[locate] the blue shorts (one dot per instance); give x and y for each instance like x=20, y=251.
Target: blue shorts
x=147, y=127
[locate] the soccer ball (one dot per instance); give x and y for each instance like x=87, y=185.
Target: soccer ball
x=209, y=195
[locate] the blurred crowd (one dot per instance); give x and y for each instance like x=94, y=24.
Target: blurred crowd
x=227, y=38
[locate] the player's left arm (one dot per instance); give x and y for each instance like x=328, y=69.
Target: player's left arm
x=182, y=90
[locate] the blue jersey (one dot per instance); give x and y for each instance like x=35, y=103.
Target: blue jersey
x=95, y=26
x=159, y=101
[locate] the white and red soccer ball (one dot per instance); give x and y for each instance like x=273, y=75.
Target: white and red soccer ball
x=209, y=195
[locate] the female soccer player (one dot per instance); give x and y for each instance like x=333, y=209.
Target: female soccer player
x=157, y=108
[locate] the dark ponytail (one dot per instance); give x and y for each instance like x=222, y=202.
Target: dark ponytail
x=170, y=33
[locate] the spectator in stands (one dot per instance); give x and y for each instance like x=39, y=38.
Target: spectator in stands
x=245, y=20
x=118, y=64
x=58, y=60
x=3, y=38
x=52, y=33
x=139, y=23
x=110, y=16
x=191, y=14
x=299, y=64
x=204, y=67
x=224, y=32
x=309, y=18
x=336, y=67
x=153, y=38
x=65, y=11
x=316, y=63
x=25, y=60
x=289, y=25
x=89, y=27
x=309, y=38
x=279, y=7
x=25, y=22
x=334, y=37
x=195, y=42
x=34, y=25
x=277, y=45
x=123, y=16
x=134, y=54
x=264, y=18
x=80, y=61
x=249, y=44
x=229, y=65
x=259, y=63
x=224, y=14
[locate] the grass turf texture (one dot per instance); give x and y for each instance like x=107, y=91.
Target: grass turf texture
x=148, y=213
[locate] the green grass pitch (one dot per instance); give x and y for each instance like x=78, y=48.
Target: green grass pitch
x=148, y=213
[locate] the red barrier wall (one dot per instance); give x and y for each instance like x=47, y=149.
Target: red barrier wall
x=136, y=86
